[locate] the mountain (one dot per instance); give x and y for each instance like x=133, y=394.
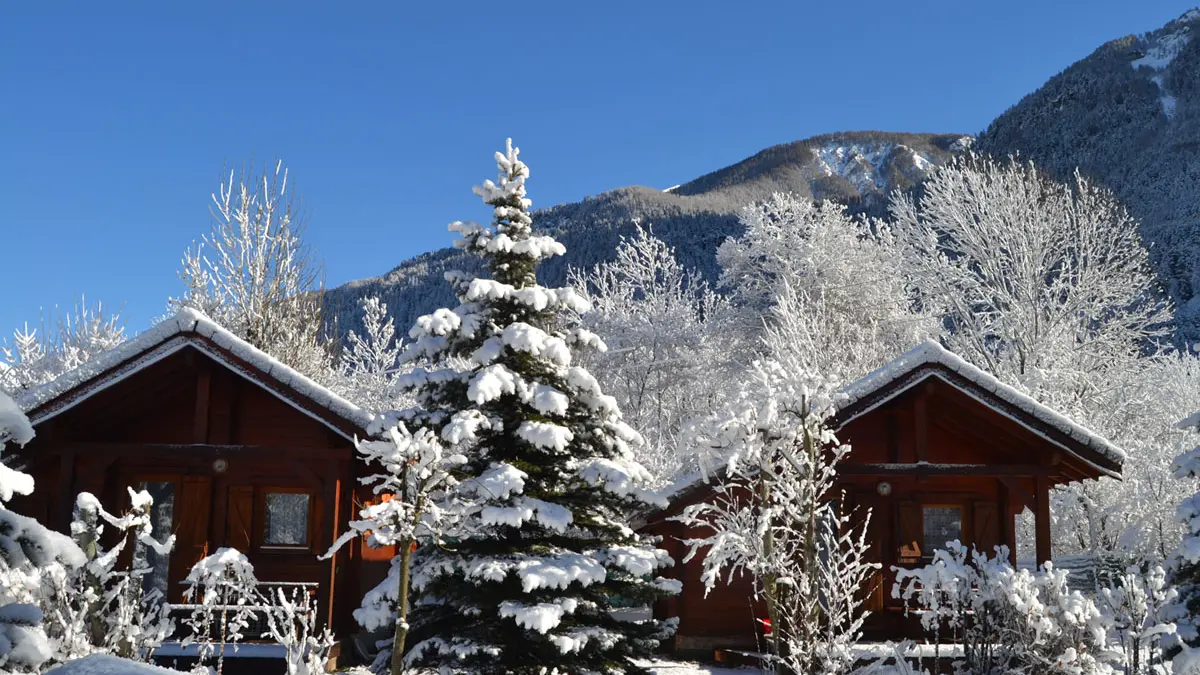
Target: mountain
x=858, y=168
x=1128, y=115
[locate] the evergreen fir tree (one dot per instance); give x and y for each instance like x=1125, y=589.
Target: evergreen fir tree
x=1184, y=567
x=542, y=550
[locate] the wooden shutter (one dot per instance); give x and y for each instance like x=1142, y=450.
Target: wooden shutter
x=241, y=517
x=911, y=533
x=987, y=526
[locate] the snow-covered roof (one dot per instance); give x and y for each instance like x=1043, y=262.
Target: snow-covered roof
x=918, y=364
x=930, y=353
x=187, y=328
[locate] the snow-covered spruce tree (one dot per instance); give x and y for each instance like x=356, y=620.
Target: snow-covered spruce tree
x=416, y=471
x=28, y=551
x=672, y=348
x=542, y=547
x=1184, y=566
x=777, y=515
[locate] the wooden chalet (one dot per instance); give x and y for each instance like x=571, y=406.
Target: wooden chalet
x=940, y=451
x=237, y=449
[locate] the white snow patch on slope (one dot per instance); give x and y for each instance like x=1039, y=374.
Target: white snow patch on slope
x=862, y=164
x=662, y=667
x=1162, y=52
x=673, y=188
x=103, y=664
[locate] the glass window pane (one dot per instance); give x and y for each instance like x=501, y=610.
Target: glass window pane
x=287, y=519
x=941, y=524
x=162, y=524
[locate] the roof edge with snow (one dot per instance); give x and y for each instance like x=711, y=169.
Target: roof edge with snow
x=190, y=328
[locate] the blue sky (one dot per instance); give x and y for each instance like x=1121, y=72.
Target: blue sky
x=116, y=118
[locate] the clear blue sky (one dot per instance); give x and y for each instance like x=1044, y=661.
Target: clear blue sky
x=116, y=117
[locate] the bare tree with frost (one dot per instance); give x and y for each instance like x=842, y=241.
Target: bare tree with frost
x=823, y=289
x=63, y=342
x=1041, y=283
x=368, y=365
x=542, y=545
x=672, y=347
x=778, y=516
x=254, y=274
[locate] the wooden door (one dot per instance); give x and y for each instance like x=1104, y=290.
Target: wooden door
x=191, y=534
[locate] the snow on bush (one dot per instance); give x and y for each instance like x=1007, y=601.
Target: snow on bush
x=222, y=596
x=1007, y=620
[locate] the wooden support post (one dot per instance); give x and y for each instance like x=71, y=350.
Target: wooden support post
x=329, y=530
x=1042, y=518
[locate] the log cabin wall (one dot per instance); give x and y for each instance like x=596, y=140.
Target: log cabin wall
x=930, y=457
x=224, y=446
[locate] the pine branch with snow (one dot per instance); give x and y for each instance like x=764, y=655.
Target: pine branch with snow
x=541, y=542
x=32, y=558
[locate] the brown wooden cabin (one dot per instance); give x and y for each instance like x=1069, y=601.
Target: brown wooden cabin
x=238, y=450
x=940, y=451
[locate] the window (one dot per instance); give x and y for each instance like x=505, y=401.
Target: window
x=162, y=525
x=940, y=525
x=286, y=519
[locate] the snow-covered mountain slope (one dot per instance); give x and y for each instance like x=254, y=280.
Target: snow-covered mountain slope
x=1129, y=116
x=860, y=169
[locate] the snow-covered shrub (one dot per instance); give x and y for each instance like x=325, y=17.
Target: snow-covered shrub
x=124, y=617
x=292, y=623
x=1007, y=620
x=777, y=515
x=65, y=341
x=1137, y=608
x=367, y=367
x=29, y=553
x=223, y=595
x=1184, y=567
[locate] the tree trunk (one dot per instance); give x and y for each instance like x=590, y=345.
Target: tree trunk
x=401, y=635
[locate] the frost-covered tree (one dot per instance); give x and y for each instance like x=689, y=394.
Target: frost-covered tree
x=826, y=286
x=415, y=473
x=777, y=515
x=367, y=367
x=125, y=618
x=28, y=552
x=254, y=274
x=64, y=341
x=672, y=347
x=542, y=547
x=1046, y=285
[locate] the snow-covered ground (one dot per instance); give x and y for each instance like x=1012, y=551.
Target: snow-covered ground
x=102, y=664
x=659, y=667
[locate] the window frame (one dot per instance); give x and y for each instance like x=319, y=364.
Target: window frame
x=260, y=520
x=927, y=556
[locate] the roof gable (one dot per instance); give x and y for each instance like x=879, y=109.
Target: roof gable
x=929, y=359
x=190, y=328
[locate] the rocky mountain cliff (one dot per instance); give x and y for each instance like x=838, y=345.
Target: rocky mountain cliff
x=1128, y=115
x=859, y=169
